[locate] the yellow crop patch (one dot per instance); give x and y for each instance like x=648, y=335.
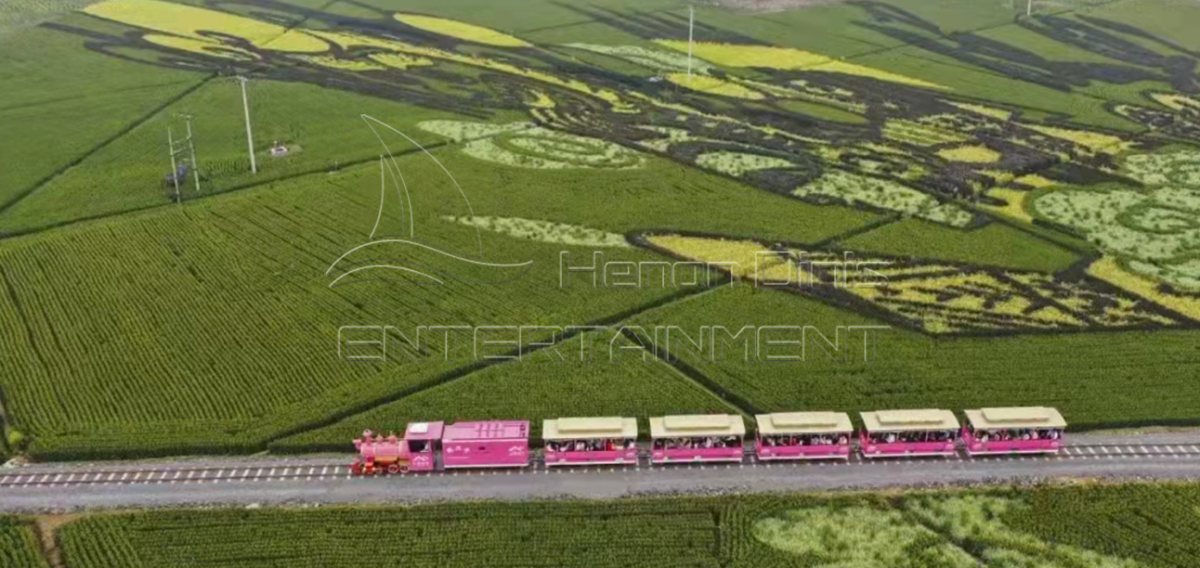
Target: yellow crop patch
x=1175, y=101
x=1034, y=180
x=742, y=259
x=734, y=55
x=1109, y=270
x=997, y=113
x=343, y=64
x=1094, y=141
x=786, y=58
x=714, y=85
x=461, y=30
x=188, y=21
x=1014, y=203
x=870, y=72
x=971, y=154
x=203, y=47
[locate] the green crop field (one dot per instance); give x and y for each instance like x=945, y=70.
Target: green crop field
x=1085, y=526
x=20, y=546
x=1030, y=182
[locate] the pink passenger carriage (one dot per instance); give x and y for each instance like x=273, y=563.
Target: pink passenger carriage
x=388, y=454
x=1024, y=430
x=899, y=433
x=803, y=435
x=486, y=444
x=697, y=438
x=583, y=441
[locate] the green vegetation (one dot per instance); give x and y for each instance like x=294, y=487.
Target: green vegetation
x=18, y=544
x=913, y=370
x=547, y=384
x=320, y=126
x=679, y=533
x=995, y=244
x=1093, y=526
x=1151, y=523
x=134, y=325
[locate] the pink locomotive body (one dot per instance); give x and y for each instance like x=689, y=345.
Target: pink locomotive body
x=899, y=433
x=486, y=444
x=584, y=441
x=697, y=438
x=803, y=435
x=1033, y=430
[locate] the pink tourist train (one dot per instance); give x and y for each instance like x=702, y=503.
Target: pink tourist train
x=898, y=433
x=803, y=435
x=430, y=446
x=584, y=441
x=697, y=438
x=1013, y=431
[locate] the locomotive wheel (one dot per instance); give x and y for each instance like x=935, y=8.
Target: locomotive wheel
x=356, y=469
x=393, y=468
x=404, y=469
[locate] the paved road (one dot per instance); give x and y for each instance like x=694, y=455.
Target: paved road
x=326, y=480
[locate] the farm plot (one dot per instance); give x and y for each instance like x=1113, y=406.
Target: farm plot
x=58, y=101
x=532, y=534
x=1150, y=523
x=995, y=244
x=18, y=544
x=214, y=327
x=913, y=370
x=320, y=127
x=960, y=528
x=616, y=380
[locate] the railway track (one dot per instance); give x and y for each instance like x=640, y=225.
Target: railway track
x=158, y=474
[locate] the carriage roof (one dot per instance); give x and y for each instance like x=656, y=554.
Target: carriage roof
x=923, y=420
x=697, y=425
x=1016, y=417
x=803, y=423
x=588, y=428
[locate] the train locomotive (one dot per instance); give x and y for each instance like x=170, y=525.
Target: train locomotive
x=434, y=446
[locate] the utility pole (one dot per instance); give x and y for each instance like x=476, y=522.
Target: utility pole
x=174, y=168
x=185, y=149
x=249, y=134
x=192, y=150
x=1029, y=9
x=691, y=24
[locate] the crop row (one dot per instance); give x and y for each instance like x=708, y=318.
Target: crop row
x=18, y=545
x=1101, y=526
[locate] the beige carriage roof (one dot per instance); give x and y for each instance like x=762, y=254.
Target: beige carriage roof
x=803, y=423
x=909, y=420
x=697, y=425
x=1016, y=417
x=588, y=428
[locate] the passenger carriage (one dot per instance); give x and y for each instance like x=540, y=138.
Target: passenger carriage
x=900, y=433
x=583, y=441
x=803, y=435
x=486, y=444
x=697, y=438
x=1026, y=430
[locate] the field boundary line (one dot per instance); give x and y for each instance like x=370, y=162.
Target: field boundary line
x=103, y=144
x=455, y=374
x=109, y=92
